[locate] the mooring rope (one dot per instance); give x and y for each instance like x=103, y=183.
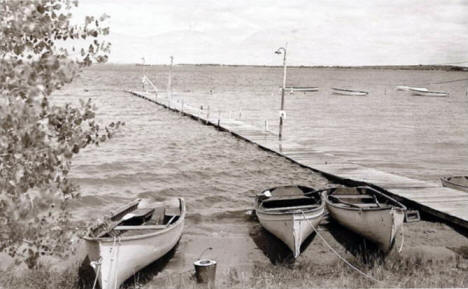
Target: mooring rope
x=339, y=256
x=98, y=264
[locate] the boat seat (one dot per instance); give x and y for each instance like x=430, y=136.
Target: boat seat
x=290, y=208
x=137, y=217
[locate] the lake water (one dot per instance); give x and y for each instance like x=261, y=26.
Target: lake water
x=160, y=154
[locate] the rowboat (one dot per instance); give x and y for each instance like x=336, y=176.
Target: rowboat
x=289, y=214
x=304, y=89
x=342, y=91
x=408, y=88
x=367, y=212
x=131, y=238
x=419, y=92
x=456, y=182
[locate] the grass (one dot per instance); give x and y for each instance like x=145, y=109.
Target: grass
x=40, y=278
x=394, y=271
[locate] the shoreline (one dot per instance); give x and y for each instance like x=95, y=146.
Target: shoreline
x=418, y=67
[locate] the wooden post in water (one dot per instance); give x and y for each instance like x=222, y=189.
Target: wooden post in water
x=169, y=82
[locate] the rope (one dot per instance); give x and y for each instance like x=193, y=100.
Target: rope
x=339, y=256
x=97, y=271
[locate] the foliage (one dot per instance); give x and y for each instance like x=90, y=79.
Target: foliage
x=37, y=138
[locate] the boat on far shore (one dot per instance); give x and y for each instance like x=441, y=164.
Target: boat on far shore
x=343, y=91
x=455, y=182
x=420, y=92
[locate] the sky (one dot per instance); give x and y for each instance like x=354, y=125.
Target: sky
x=328, y=32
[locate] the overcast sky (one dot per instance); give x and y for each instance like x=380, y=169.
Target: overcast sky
x=335, y=32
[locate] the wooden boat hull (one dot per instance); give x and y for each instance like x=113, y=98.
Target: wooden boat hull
x=290, y=213
x=292, y=228
x=456, y=182
x=378, y=221
x=379, y=226
x=120, y=258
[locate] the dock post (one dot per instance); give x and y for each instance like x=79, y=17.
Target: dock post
x=284, y=51
x=266, y=125
x=169, y=82
x=208, y=113
x=219, y=117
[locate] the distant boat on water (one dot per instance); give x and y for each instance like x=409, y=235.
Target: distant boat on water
x=420, y=92
x=409, y=88
x=456, y=182
x=293, y=89
x=343, y=91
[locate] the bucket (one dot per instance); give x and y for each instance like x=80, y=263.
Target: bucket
x=205, y=271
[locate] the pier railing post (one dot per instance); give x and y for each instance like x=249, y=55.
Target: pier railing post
x=282, y=50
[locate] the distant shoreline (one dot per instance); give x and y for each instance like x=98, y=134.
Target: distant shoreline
x=391, y=67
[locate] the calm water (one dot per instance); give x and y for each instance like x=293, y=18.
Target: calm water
x=419, y=137
x=159, y=154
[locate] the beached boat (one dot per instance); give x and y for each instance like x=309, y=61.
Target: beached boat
x=420, y=92
x=132, y=238
x=342, y=91
x=408, y=88
x=456, y=182
x=290, y=215
x=367, y=212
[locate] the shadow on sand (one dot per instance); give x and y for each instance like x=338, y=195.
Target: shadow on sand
x=364, y=250
x=274, y=248
x=87, y=275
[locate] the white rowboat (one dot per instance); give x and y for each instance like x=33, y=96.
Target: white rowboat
x=304, y=89
x=342, y=91
x=290, y=215
x=426, y=92
x=408, y=88
x=132, y=239
x=456, y=182
x=367, y=212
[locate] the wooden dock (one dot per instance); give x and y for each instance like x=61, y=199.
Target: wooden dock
x=448, y=204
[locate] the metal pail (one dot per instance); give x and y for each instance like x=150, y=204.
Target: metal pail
x=205, y=270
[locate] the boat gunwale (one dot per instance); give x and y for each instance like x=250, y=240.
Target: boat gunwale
x=305, y=190
x=400, y=206
x=293, y=211
x=157, y=232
